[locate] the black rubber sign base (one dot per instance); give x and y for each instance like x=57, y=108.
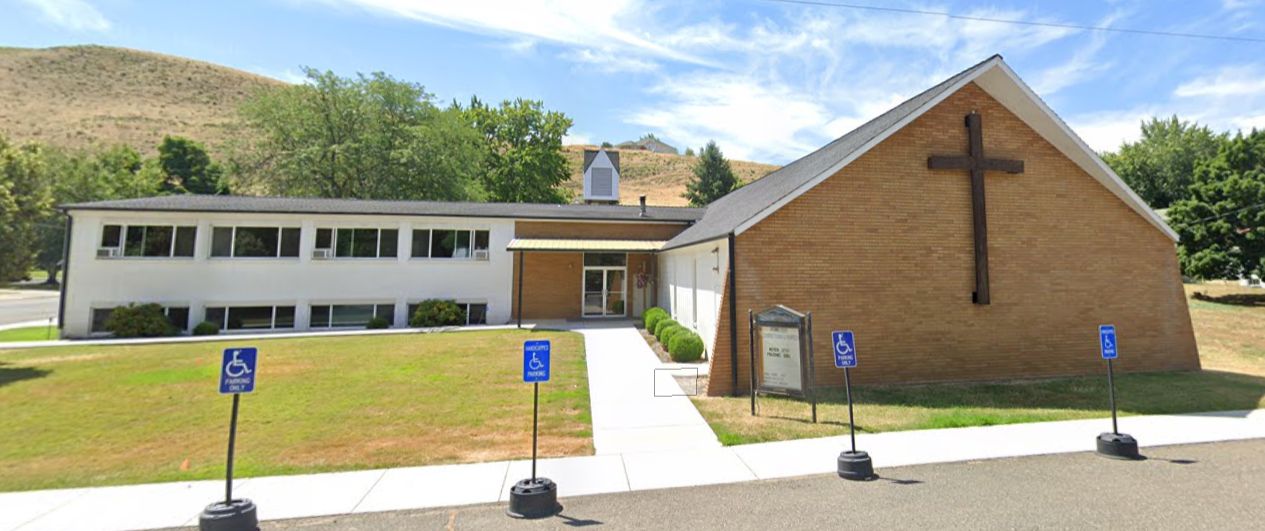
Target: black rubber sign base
x=1118, y=446
x=237, y=515
x=534, y=498
x=856, y=466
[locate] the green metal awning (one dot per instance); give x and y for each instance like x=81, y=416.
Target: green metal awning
x=591, y=246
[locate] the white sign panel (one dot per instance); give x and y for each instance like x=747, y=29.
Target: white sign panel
x=781, y=357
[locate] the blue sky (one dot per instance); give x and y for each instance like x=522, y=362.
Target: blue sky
x=768, y=81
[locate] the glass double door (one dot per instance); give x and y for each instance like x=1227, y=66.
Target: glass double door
x=604, y=291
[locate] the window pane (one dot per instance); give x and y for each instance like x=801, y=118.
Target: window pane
x=390, y=241
x=179, y=317
x=158, y=241
x=421, y=243
x=290, y=242
x=185, y=238
x=222, y=241
x=135, y=244
x=99, y=317
x=342, y=245
x=593, y=281
x=366, y=244
x=320, y=316
x=412, y=309
x=443, y=243
x=249, y=317
x=480, y=240
x=478, y=314
x=111, y=235
x=463, y=245
x=255, y=242
x=387, y=311
x=285, y=317
x=605, y=259
x=216, y=315
x=324, y=238
x=352, y=315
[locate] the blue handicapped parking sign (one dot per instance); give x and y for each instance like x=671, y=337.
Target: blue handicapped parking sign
x=536, y=361
x=845, y=348
x=1107, y=342
x=237, y=370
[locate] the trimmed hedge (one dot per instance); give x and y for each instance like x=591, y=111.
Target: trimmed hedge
x=437, y=312
x=377, y=323
x=670, y=332
x=652, y=316
x=685, y=347
x=660, y=326
x=145, y=320
x=206, y=328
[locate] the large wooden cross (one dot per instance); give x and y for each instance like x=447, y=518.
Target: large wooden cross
x=977, y=164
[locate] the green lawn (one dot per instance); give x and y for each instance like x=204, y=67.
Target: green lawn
x=30, y=333
x=92, y=415
x=1229, y=327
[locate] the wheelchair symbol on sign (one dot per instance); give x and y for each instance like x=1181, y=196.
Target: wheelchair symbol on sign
x=842, y=347
x=534, y=363
x=236, y=367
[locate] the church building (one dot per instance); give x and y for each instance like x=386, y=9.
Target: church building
x=966, y=234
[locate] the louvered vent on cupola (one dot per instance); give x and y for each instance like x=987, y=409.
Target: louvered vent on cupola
x=601, y=176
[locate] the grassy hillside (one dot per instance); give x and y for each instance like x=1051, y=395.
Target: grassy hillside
x=78, y=96
x=661, y=178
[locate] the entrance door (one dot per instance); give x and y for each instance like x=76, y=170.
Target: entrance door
x=605, y=285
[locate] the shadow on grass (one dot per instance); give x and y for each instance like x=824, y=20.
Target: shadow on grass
x=981, y=404
x=1234, y=299
x=10, y=374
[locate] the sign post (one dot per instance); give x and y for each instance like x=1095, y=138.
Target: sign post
x=237, y=376
x=853, y=465
x=535, y=497
x=1115, y=444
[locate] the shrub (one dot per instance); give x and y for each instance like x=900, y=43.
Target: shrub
x=686, y=347
x=206, y=328
x=661, y=325
x=377, y=323
x=670, y=332
x=652, y=316
x=144, y=320
x=437, y=312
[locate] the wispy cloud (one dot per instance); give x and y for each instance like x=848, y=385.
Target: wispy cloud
x=76, y=15
x=1229, y=81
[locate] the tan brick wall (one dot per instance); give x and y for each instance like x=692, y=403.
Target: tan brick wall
x=553, y=286
x=884, y=248
x=591, y=230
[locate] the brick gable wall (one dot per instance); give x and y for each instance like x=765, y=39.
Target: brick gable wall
x=884, y=248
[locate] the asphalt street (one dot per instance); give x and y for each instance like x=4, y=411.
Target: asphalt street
x=19, y=306
x=1218, y=485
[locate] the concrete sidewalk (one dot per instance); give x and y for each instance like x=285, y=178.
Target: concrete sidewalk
x=176, y=504
x=635, y=407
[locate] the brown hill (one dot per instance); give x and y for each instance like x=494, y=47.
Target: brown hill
x=79, y=96
x=661, y=178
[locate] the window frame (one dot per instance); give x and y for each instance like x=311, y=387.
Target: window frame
x=232, y=242
x=329, y=314
x=411, y=307
x=333, y=242
x=472, y=238
x=124, y=228
x=92, y=320
x=228, y=311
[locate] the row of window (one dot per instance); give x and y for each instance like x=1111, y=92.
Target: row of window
x=283, y=242
x=282, y=317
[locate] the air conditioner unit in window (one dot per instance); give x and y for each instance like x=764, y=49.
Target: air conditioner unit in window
x=322, y=254
x=481, y=254
x=109, y=252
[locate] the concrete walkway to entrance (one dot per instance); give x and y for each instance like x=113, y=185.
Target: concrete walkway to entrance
x=635, y=407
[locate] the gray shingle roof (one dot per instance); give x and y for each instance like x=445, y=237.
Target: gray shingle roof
x=727, y=213
x=300, y=205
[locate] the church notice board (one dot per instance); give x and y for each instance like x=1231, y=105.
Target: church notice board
x=785, y=352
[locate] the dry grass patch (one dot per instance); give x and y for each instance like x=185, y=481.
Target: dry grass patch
x=80, y=416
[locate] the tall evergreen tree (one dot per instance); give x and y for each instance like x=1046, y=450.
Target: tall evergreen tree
x=713, y=178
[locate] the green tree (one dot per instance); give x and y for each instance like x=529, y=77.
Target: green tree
x=368, y=137
x=1160, y=166
x=188, y=168
x=1222, y=222
x=713, y=178
x=689, y=152
x=523, y=161
x=25, y=200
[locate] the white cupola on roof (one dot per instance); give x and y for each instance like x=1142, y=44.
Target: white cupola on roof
x=601, y=176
